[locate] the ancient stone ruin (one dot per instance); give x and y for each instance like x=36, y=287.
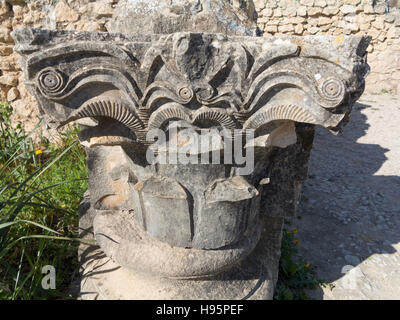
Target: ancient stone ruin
x=193, y=230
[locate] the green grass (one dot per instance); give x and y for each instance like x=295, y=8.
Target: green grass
x=383, y=91
x=40, y=189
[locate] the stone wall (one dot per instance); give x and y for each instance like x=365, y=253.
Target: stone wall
x=49, y=14
x=300, y=17
x=308, y=17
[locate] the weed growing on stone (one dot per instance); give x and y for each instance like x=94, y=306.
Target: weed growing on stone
x=295, y=275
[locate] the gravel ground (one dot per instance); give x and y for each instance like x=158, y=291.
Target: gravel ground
x=349, y=216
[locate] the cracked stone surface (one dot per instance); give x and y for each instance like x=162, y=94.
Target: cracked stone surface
x=350, y=208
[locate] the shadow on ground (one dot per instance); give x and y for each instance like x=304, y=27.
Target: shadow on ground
x=348, y=214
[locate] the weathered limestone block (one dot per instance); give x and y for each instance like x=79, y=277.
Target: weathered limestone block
x=348, y=9
x=5, y=35
x=302, y=11
x=192, y=229
x=63, y=13
x=12, y=94
x=330, y=11
x=166, y=16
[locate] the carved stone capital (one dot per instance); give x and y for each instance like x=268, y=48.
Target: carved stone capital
x=194, y=221
x=203, y=79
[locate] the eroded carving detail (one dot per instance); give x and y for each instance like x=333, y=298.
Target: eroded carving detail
x=193, y=220
x=233, y=76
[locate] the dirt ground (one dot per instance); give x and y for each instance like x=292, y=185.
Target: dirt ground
x=349, y=216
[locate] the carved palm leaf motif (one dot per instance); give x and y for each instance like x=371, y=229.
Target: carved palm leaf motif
x=169, y=111
x=290, y=112
x=111, y=108
x=203, y=79
x=214, y=116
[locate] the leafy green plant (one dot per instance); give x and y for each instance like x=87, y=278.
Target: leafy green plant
x=40, y=190
x=295, y=275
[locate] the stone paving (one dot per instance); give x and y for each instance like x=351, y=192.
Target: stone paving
x=349, y=216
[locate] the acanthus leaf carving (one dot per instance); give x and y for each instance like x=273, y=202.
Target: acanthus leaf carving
x=197, y=77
